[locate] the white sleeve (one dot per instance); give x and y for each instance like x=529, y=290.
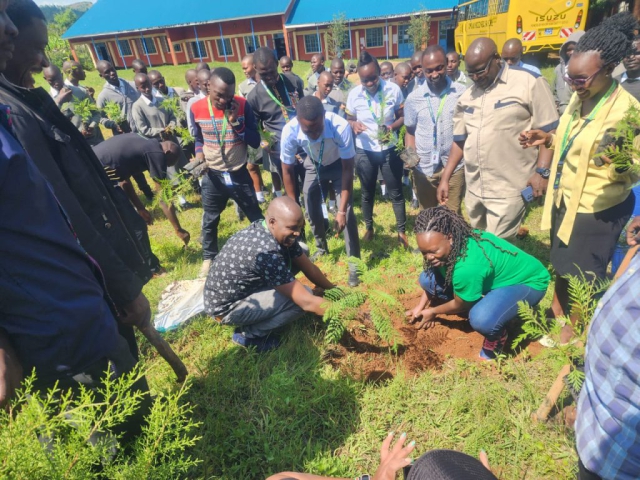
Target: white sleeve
x=343, y=137
x=288, y=144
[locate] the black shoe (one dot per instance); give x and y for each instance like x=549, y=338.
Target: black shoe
x=187, y=206
x=354, y=280
x=241, y=216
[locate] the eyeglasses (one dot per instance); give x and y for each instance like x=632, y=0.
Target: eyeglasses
x=580, y=82
x=482, y=72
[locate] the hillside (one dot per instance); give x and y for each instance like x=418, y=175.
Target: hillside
x=79, y=8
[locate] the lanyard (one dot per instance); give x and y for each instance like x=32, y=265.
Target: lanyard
x=222, y=139
x=567, y=142
x=278, y=101
x=379, y=121
x=435, y=118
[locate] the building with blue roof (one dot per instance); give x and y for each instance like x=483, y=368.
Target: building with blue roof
x=189, y=31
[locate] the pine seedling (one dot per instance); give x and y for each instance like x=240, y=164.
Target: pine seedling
x=113, y=112
x=624, y=152
x=171, y=189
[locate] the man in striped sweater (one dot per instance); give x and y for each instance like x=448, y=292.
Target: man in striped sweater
x=224, y=127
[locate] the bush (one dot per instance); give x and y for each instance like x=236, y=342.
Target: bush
x=60, y=435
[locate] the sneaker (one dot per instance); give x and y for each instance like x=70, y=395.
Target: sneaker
x=354, y=280
x=204, y=269
x=261, y=344
x=414, y=204
x=491, y=348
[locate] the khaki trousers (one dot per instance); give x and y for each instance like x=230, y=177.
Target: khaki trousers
x=500, y=216
x=426, y=189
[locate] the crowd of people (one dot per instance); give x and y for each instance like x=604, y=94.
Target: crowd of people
x=74, y=236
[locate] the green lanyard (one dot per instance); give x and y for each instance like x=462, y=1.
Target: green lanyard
x=222, y=139
x=567, y=142
x=283, y=107
x=380, y=120
x=434, y=118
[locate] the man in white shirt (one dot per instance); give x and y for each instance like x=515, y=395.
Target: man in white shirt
x=328, y=142
x=512, y=54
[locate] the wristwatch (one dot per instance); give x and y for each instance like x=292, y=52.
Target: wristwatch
x=366, y=476
x=543, y=172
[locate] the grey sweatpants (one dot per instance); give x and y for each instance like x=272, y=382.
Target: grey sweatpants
x=262, y=312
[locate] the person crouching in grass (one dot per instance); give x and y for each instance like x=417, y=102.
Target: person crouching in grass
x=472, y=271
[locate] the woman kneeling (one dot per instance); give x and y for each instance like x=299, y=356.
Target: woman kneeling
x=472, y=271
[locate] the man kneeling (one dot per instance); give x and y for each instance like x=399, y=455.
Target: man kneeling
x=251, y=283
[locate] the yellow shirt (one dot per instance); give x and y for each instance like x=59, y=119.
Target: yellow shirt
x=585, y=187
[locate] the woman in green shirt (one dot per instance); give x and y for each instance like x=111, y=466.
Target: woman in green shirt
x=476, y=272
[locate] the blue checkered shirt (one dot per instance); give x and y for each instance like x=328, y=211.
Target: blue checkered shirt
x=608, y=420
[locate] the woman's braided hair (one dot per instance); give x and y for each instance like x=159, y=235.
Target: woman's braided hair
x=447, y=222
x=612, y=39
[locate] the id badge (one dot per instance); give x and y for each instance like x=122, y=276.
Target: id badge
x=325, y=211
x=227, y=179
x=435, y=158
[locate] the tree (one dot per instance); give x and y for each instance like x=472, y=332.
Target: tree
x=58, y=49
x=337, y=35
x=419, y=29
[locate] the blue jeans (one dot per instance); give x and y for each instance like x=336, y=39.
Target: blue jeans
x=493, y=312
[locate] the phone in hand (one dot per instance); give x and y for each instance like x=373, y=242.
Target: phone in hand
x=527, y=194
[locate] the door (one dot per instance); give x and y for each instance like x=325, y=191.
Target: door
x=102, y=52
x=405, y=46
x=444, y=26
x=279, y=45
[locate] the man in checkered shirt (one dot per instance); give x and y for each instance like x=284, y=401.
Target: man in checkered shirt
x=608, y=417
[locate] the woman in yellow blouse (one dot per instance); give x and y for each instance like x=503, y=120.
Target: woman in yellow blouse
x=588, y=199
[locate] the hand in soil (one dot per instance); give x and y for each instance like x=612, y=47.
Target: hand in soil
x=427, y=316
x=393, y=459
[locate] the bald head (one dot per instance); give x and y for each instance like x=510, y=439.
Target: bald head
x=416, y=64
x=317, y=63
x=143, y=84
x=285, y=220
x=138, y=66
x=202, y=77
x=337, y=70
x=191, y=77
x=483, y=62
x=402, y=75
x=386, y=70
x=154, y=75
x=106, y=71
x=286, y=64
x=202, y=66
x=512, y=51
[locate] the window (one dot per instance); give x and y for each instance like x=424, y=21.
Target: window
x=149, y=44
x=125, y=48
x=177, y=47
x=198, y=49
x=311, y=43
x=164, y=44
x=346, y=41
x=227, y=50
x=374, y=37
x=443, y=27
x=249, y=46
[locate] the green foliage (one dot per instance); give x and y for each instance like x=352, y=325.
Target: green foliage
x=113, y=112
x=419, y=28
x=60, y=435
x=172, y=105
x=171, y=189
x=583, y=297
x=58, y=49
x=625, y=152
x=85, y=109
x=337, y=35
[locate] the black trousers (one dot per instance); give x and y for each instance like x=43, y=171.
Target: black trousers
x=389, y=163
x=215, y=195
x=584, y=474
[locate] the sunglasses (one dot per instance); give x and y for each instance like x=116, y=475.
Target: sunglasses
x=580, y=82
x=480, y=73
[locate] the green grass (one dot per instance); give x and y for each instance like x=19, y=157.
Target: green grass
x=290, y=410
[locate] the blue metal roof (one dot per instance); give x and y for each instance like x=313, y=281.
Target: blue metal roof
x=114, y=16
x=311, y=12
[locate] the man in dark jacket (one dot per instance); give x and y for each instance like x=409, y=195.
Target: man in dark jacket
x=101, y=214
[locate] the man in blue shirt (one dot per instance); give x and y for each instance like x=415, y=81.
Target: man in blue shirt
x=608, y=416
x=512, y=54
x=327, y=140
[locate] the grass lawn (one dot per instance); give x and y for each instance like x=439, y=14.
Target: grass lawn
x=293, y=409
